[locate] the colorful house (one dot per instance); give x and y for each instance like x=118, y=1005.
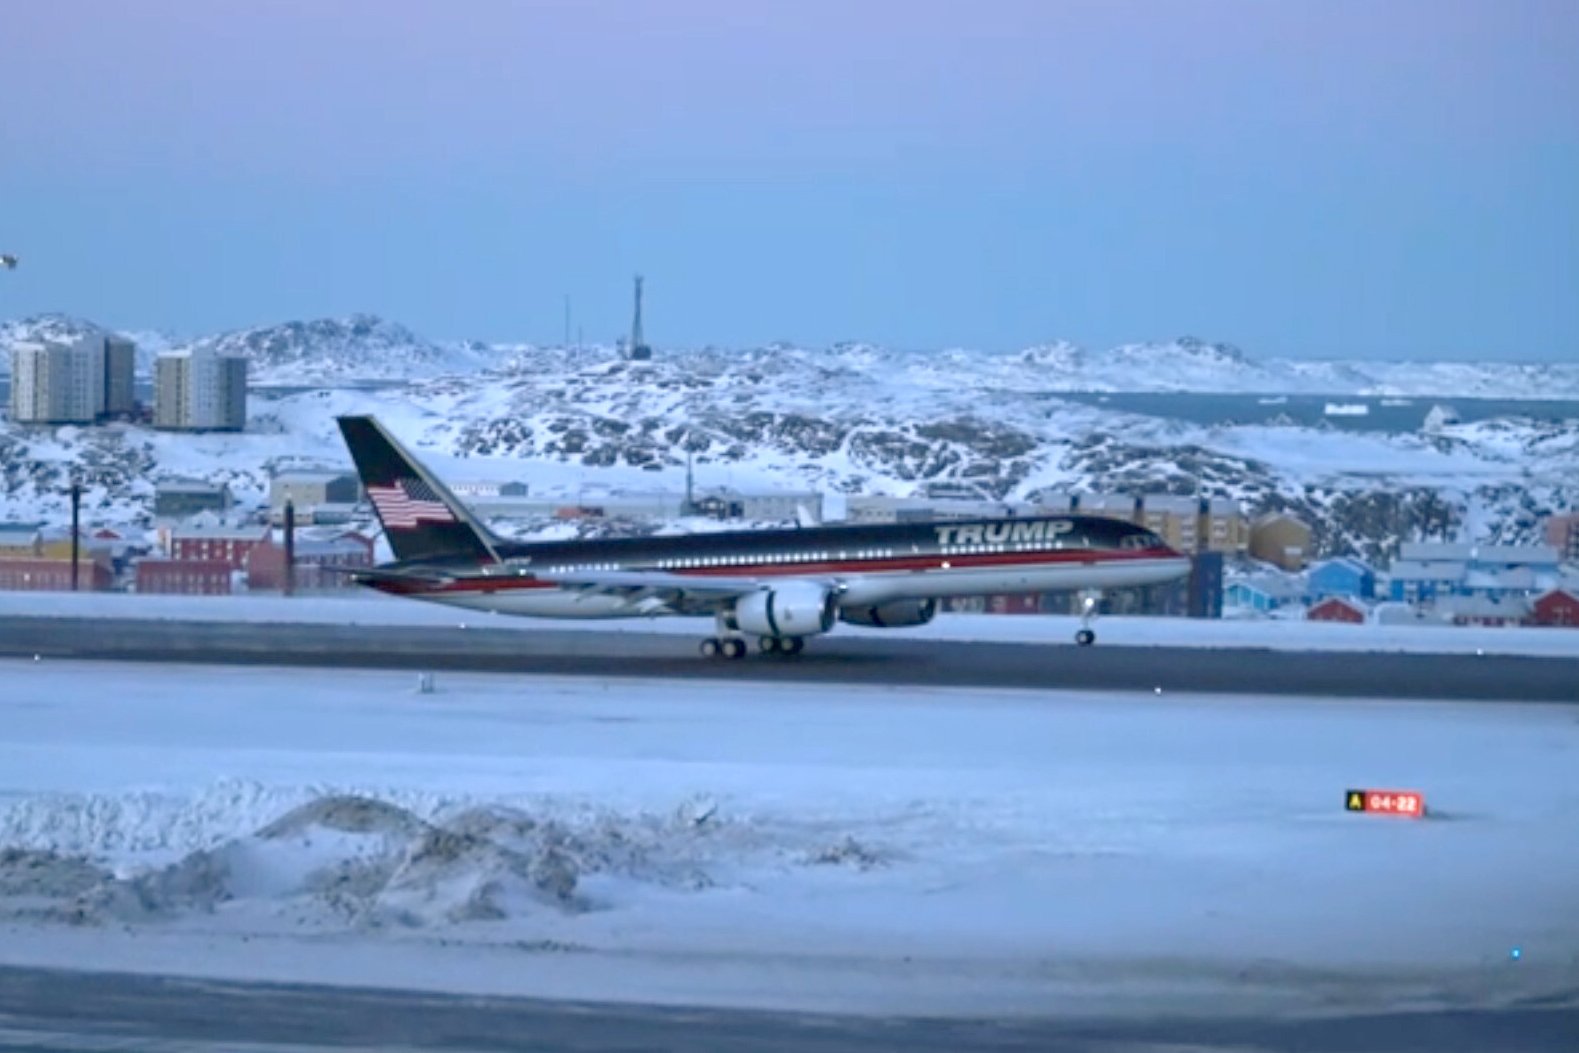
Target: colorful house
x=1338, y=609
x=1260, y=594
x=1343, y=576
x=1559, y=607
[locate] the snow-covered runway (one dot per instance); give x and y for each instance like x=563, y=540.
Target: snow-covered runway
x=366, y=609
x=853, y=848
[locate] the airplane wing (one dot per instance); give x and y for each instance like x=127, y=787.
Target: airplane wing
x=674, y=590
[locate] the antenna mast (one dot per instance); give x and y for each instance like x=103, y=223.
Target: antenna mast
x=638, y=348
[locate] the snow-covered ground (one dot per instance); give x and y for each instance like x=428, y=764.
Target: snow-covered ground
x=1278, y=634
x=860, y=848
x=571, y=422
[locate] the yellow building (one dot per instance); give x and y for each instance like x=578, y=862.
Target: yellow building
x=1174, y=519
x=1224, y=527
x=1110, y=506
x=20, y=542
x=1282, y=540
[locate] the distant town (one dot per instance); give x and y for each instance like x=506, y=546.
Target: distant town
x=316, y=524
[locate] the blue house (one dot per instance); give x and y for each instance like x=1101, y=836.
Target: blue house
x=1248, y=597
x=1344, y=576
x=1416, y=581
x=1427, y=571
x=1261, y=593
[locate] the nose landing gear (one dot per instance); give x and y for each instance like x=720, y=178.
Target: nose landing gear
x=1088, y=612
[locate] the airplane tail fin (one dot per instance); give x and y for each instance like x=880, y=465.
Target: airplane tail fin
x=421, y=518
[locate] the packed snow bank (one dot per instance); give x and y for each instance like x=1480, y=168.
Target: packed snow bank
x=346, y=861
x=1277, y=634
x=336, y=861
x=862, y=848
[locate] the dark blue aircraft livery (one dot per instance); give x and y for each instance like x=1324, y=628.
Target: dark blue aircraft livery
x=778, y=585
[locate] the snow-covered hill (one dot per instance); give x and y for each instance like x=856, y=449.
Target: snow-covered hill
x=339, y=350
x=854, y=420
x=331, y=351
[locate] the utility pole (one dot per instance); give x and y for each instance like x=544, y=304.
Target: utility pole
x=76, y=536
x=290, y=548
x=690, y=480
x=567, y=320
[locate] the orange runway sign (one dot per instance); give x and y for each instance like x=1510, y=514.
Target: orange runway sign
x=1408, y=803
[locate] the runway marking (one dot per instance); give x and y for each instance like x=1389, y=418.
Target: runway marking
x=28, y=1040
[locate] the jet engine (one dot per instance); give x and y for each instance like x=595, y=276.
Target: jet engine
x=796, y=608
x=893, y=615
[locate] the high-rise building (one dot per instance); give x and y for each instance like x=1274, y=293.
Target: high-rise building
x=29, y=397
x=120, y=367
x=169, y=390
x=199, y=390
x=72, y=383
x=56, y=383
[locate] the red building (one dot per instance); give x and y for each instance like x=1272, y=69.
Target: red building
x=1557, y=608
x=266, y=561
x=226, y=544
x=1337, y=609
x=53, y=575
x=184, y=577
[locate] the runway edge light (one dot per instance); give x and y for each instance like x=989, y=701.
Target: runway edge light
x=1409, y=804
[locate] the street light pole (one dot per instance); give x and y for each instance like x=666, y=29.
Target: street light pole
x=76, y=536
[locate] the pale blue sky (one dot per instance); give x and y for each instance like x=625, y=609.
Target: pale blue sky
x=1373, y=178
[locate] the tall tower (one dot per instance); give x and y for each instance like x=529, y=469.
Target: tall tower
x=638, y=349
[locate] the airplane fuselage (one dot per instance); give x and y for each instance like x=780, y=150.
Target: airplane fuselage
x=866, y=565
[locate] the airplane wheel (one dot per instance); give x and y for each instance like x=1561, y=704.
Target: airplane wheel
x=734, y=647
x=768, y=644
x=710, y=647
x=792, y=645
x=1085, y=637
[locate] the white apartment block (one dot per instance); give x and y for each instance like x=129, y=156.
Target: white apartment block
x=55, y=383
x=200, y=391
x=72, y=383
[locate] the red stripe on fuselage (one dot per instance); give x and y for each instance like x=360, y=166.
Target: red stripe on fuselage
x=933, y=562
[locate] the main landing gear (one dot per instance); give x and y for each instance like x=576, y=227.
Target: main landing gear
x=735, y=646
x=723, y=647
x=728, y=643
x=1088, y=612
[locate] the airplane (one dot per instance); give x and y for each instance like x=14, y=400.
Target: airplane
x=8, y=262
x=781, y=586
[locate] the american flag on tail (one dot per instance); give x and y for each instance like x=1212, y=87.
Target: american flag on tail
x=408, y=503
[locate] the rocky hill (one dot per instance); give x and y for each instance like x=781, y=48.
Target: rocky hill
x=850, y=419
x=338, y=350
